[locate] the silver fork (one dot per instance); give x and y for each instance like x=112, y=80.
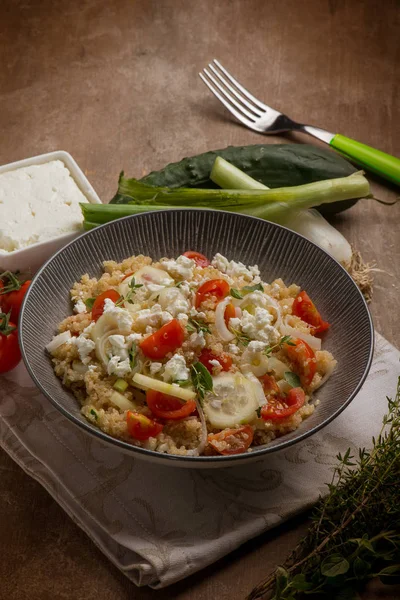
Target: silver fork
x=262, y=118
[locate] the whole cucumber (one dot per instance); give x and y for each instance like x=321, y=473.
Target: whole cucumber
x=274, y=165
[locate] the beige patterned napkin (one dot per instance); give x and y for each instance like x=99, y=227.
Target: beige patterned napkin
x=159, y=525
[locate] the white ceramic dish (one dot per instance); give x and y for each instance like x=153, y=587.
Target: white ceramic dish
x=29, y=259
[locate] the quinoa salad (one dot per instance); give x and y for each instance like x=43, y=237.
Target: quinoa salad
x=191, y=356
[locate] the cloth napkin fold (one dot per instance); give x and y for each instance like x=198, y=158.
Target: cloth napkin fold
x=160, y=524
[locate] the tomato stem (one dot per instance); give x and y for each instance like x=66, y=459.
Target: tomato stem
x=5, y=327
x=11, y=282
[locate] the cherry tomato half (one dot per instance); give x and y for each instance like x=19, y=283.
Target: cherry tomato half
x=304, y=308
x=303, y=359
x=141, y=427
x=269, y=385
x=164, y=406
x=199, y=259
x=10, y=354
x=281, y=408
x=214, y=287
x=232, y=441
x=11, y=301
x=98, y=305
x=230, y=313
x=207, y=356
x=165, y=340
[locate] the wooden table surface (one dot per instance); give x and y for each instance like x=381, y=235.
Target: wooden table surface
x=115, y=83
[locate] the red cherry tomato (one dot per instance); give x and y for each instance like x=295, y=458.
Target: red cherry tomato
x=207, y=356
x=232, y=441
x=199, y=259
x=281, y=408
x=165, y=340
x=305, y=308
x=141, y=427
x=269, y=385
x=230, y=313
x=214, y=287
x=12, y=293
x=10, y=354
x=164, y=406
x=98, y=305
x=303, y=359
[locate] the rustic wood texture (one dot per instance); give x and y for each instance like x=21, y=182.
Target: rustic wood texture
x=116, y=85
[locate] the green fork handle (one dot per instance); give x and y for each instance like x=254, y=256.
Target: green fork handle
x=383, y=164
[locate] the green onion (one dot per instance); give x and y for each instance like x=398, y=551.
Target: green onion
x=272, y=205
x=120, y=385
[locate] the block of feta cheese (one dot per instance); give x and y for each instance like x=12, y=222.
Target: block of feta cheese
x=39, y=208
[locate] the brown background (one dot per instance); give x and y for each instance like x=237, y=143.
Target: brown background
x=115, y=83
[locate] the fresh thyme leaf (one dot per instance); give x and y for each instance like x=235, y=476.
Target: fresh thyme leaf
x=253, y=288
x=94, y=413
x=201, y=379
x=179, y=284
x=235, y=293
x=121, y=300
x=133, y=285
x=183, y=382
x=132, y=356
x=89, y=303
x=197, y=325
x=292, y=378
x=241, y=338
x=286, y=339
x=354, y=536
x=258, y=411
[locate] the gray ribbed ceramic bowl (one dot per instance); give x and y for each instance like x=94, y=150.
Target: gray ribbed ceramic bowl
x=277, y=251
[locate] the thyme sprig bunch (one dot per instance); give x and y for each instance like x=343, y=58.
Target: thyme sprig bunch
x=355, y=531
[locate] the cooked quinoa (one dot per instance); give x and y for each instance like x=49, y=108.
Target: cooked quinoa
x=185, y=356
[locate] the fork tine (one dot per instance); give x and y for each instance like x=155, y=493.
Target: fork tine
x=257, y=111
x=227, y=95
x=231, y=109
x=240, y=87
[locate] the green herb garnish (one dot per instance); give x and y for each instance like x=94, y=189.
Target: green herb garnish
x=183, y=382
x=197, y=325
x=292, y=378
x=132, y=356
x=258, y=411
x=355, y=532
x=286, y=339
x=133, y=286
x=94, y=413
x=235, y=293
x=258, y=287
x=241, y=338
x=201, y=379
x=89, y=303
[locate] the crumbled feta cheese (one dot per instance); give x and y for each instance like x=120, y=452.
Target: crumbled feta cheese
x=155, y=367
x=193, y=312
x=92, y=367
x=233, y=349
x=118, y=346
x=236, y=269
x=85, y=347
x=48, y=200
x=122, y=316
x=256, y=347
x=176, y=369
x=183, y=319
x=174, y=302
x=197, y=341
x=216, y=365
x=152, y=317
x=257, y=298
x=88, y=330
x=118, y=367
x=80, y=307
x=182, y=267
x=258, y=326
x=235, y=323
x=133, y=338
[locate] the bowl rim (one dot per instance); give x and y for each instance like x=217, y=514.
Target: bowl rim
x=205, y=460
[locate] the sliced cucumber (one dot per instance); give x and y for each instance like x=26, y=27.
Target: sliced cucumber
x=121, y=401
x=145, y=382
x=234, y=400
